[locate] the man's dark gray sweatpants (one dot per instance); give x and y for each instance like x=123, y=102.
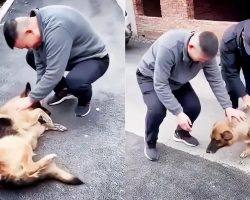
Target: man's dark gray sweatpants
x=156, y=111
x=80, y=76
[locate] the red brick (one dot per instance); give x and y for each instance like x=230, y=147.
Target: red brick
x=175, y=14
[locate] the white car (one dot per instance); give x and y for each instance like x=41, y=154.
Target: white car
x=128, y=28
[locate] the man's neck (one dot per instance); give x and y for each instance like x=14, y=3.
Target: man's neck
x=34, y=25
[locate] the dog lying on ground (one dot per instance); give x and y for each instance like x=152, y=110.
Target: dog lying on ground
x=19, y=133
x=226, y=133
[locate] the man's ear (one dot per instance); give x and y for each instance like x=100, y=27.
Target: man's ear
x=27, y=90
x=227, y=135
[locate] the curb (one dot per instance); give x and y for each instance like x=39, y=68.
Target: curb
x=4, y=9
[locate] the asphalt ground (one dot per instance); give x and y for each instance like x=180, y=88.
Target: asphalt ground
x=179, y=176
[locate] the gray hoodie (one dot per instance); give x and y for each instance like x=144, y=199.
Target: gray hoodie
x=168, y=63
x=67, y=38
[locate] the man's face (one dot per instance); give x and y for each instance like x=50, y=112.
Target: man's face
x=26, y=39
x=197, y=55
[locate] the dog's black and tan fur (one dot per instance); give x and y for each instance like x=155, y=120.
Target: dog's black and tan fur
x=19, y=133
x=226, y=133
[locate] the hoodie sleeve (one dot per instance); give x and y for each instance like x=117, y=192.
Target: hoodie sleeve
x=58, y=48
x=40, y=68
x=214, y=78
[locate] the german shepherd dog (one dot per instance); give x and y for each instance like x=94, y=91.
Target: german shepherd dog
x=19, y=133
x=226, y=133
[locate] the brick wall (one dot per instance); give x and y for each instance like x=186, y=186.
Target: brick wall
x=175, y=14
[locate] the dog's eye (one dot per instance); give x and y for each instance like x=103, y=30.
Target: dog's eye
x=218, y=142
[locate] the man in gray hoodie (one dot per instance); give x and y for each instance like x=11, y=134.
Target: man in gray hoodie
x=163, y=75
x=59, y=39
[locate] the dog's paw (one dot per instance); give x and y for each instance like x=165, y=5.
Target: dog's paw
x=244, y=154
x=59, y=127
x=51, y=157
x=35, y=175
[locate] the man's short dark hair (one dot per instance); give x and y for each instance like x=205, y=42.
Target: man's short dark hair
x=10, y=32
x=209, y=43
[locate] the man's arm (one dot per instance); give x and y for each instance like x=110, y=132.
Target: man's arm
x=58, y=48
x=213, y=76
x=40, y=68
x=163, y=64
x=231, y=70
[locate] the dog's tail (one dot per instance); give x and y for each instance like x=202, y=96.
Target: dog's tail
x=54, y=172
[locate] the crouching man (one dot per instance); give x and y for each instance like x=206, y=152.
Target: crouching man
x=59, y=39
x=163, y=75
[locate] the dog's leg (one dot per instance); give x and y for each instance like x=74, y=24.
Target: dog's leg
x=34, y=169
x=39, y=115
x=246, y=152
x=53, y=171
x=31, y=168
x=46, y=121
x=57, y=127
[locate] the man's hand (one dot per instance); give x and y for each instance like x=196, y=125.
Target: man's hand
x=23, y=103
x=246, y=101
x=184, y=122
x=238, y=114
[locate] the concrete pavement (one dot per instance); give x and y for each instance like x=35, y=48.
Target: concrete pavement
x=93, y=147
x=211, y=111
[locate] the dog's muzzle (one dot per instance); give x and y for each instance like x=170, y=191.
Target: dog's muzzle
x=213, y=147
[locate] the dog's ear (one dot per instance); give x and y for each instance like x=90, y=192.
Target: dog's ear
x=27, y=90
x=227, y=135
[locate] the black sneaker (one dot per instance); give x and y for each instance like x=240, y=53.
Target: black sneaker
x=59, y=98
x=151, y=152
x=82, y=110
x=186, y=138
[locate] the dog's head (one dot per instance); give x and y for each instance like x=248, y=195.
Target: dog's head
x=37, y=104
x=221, y=136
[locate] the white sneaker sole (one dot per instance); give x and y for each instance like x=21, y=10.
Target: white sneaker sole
x=85, y=113
x=147, y=155
x=62, y=100
x=183, y=141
